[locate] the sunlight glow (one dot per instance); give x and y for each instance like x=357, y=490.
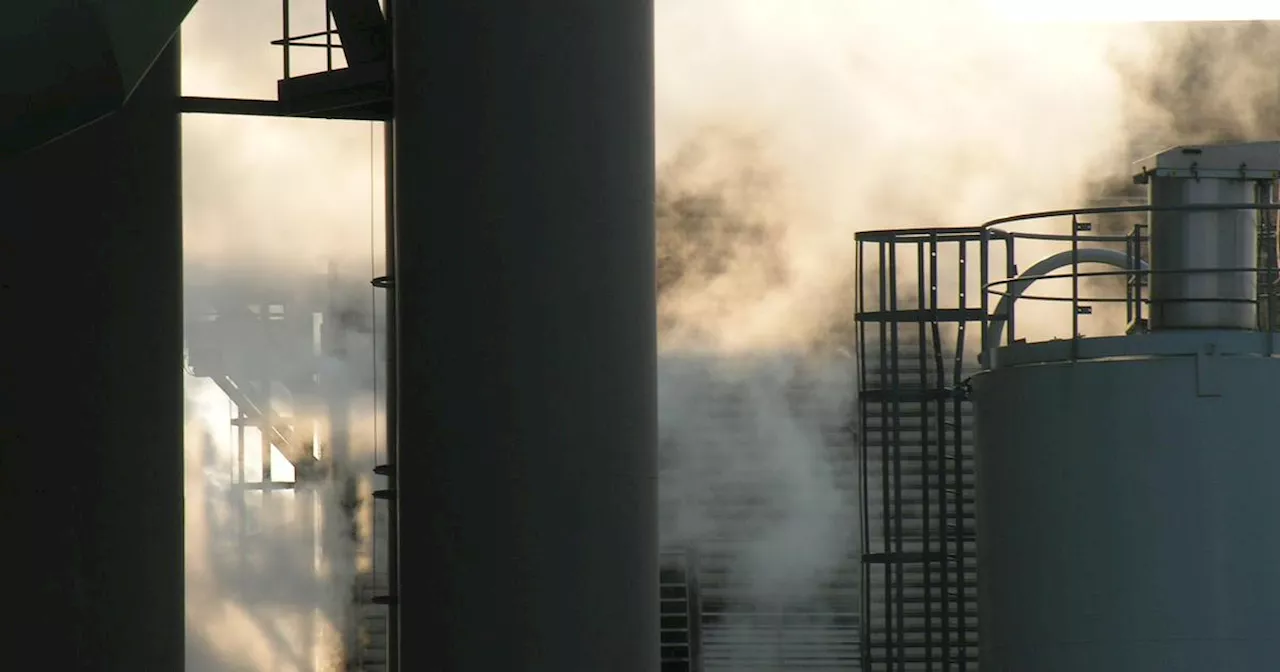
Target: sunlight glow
x=1102, y=11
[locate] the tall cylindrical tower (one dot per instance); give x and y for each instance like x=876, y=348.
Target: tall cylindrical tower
x=526, y=338
x=1125, y=498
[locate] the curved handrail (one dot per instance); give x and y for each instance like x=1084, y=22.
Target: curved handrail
x=1089, y=255
x=1124, y=209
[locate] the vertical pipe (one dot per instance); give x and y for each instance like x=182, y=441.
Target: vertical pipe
x=886, y=501
x=694, y=582
x=957, y=456
x=1131, y=252
x=895, y=413
x=1075, y=288
x=922, y=364
x=984, y=276
x=91, y=425
x=525, y=319
x=284, y=47
x=940, y=386
x=328, y=37
x=392, y=403
x=1265, y=196
x=392, y=400
x=1010, y=271
x=864, y=413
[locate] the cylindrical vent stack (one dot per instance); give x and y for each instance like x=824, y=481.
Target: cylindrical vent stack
x=1191, y=249
x=1202, y=261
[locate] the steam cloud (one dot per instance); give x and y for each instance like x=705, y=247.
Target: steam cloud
x=783, y=128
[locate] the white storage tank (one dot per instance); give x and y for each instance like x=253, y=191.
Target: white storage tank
x=1128, y=505
x=1128, y=510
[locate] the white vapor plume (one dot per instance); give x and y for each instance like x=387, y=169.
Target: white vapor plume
x=784, y=128
x=284, y=212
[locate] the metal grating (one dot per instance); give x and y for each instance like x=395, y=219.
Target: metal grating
x=734, y=626
x=919, y=318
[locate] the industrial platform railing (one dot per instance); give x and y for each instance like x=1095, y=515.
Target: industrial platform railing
x=1062, y=254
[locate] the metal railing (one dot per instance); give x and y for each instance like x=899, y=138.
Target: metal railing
x=1080, y=245
x=306, y=40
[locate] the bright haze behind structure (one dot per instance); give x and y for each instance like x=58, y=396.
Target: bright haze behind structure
x=789, y=125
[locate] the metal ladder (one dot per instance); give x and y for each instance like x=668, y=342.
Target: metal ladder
x=679, y=629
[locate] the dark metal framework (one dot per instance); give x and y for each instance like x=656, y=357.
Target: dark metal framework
x=915, y=333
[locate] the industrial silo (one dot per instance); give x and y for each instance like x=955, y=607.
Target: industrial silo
x=1123, y=480
x=1125, y=494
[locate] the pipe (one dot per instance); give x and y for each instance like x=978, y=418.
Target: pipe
x=1265, y=195
x=392, y=402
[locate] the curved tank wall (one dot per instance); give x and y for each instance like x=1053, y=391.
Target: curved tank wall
x=1128, y=506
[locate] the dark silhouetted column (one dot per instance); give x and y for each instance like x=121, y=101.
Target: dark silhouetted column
x=91, y=400
x=526, y=336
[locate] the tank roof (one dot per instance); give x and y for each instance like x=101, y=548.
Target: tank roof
x=1247, y=159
